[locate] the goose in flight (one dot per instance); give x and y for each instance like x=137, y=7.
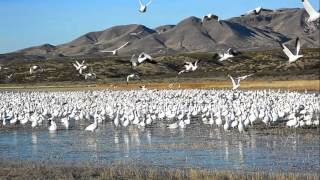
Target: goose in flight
x=137, y=34
x=190, y=67
x=80, y=66
x=209, y=17
x=227, y=55
x=132, y=76
x=90, y=76
x=313, y=14
x=115, y=52
x=256, y=11
x=292, y=57
x=142, y=58
x=143, y=7
x=245, y=77
x=143, y=88
x=235, y=84
x=35, y=69
x=10, y=76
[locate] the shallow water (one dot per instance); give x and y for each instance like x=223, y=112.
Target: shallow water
x=197, y=146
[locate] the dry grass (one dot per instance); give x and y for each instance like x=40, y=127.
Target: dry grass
x=120, y=171
x=299, y=85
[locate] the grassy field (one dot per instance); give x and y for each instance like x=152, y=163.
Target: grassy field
x=267, y=66
x=120, y=171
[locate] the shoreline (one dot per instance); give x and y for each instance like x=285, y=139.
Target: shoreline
x=27, y=170
x=298, y=85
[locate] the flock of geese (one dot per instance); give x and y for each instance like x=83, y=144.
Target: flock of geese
x=188, y=66
x=226, y=109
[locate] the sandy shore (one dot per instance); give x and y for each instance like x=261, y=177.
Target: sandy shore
x=299, y=85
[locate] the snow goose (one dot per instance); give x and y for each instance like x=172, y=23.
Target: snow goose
x=292, y=57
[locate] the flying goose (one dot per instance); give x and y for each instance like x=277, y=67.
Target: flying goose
x=35, y=69
x=136, y=34
x=227, y=55
x=190, y=67
x=142, y=58
x=244, y=77
x=210, y=16
x=235, y=84
x=256, y=11
x=115, y=52
x=292, y=57
x=89, y=76
x=80, y=66
x=143, y=7
x=313, y=14
x=132, y=76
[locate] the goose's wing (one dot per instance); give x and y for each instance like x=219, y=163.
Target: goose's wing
x=76, y=66
x=78, y=63
x=149, y=3
x=132, y=58
x=298, y=46
x=123, y=46
x=286, y=50
x=107, y=51
x=232, y=80
x=140, y=3
x=128, y=79
x=307, y=5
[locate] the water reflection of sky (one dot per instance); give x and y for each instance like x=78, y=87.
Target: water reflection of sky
x=196, y=146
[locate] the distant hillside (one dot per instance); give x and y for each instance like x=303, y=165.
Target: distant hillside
x=249, y=32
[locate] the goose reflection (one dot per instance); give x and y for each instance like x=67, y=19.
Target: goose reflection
x=241, y=157
x=226, y=146
x=148, y=134
x=127, y=144
x=92, y=146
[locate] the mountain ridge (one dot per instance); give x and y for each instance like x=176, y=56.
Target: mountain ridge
x=248, y=32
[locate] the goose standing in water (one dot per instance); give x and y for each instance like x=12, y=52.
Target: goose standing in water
x=92, y=127
x=52, y=125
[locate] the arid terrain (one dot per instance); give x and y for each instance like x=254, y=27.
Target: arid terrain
x=271, y=70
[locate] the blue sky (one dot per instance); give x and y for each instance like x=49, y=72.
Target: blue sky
x=25, y=23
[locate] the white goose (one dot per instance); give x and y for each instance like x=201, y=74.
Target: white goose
x=292, y=57
x=209, y=16
x=35, y=69
x=132, y=76
x=226, y=55
x=313, y=14
x=53, y=125
x=235, y=84
x=190, y=67
x=92, y=127
x=80, y=66
x=143, y=7
x=115, y=52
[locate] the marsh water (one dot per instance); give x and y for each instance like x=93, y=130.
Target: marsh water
x=197, y=146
